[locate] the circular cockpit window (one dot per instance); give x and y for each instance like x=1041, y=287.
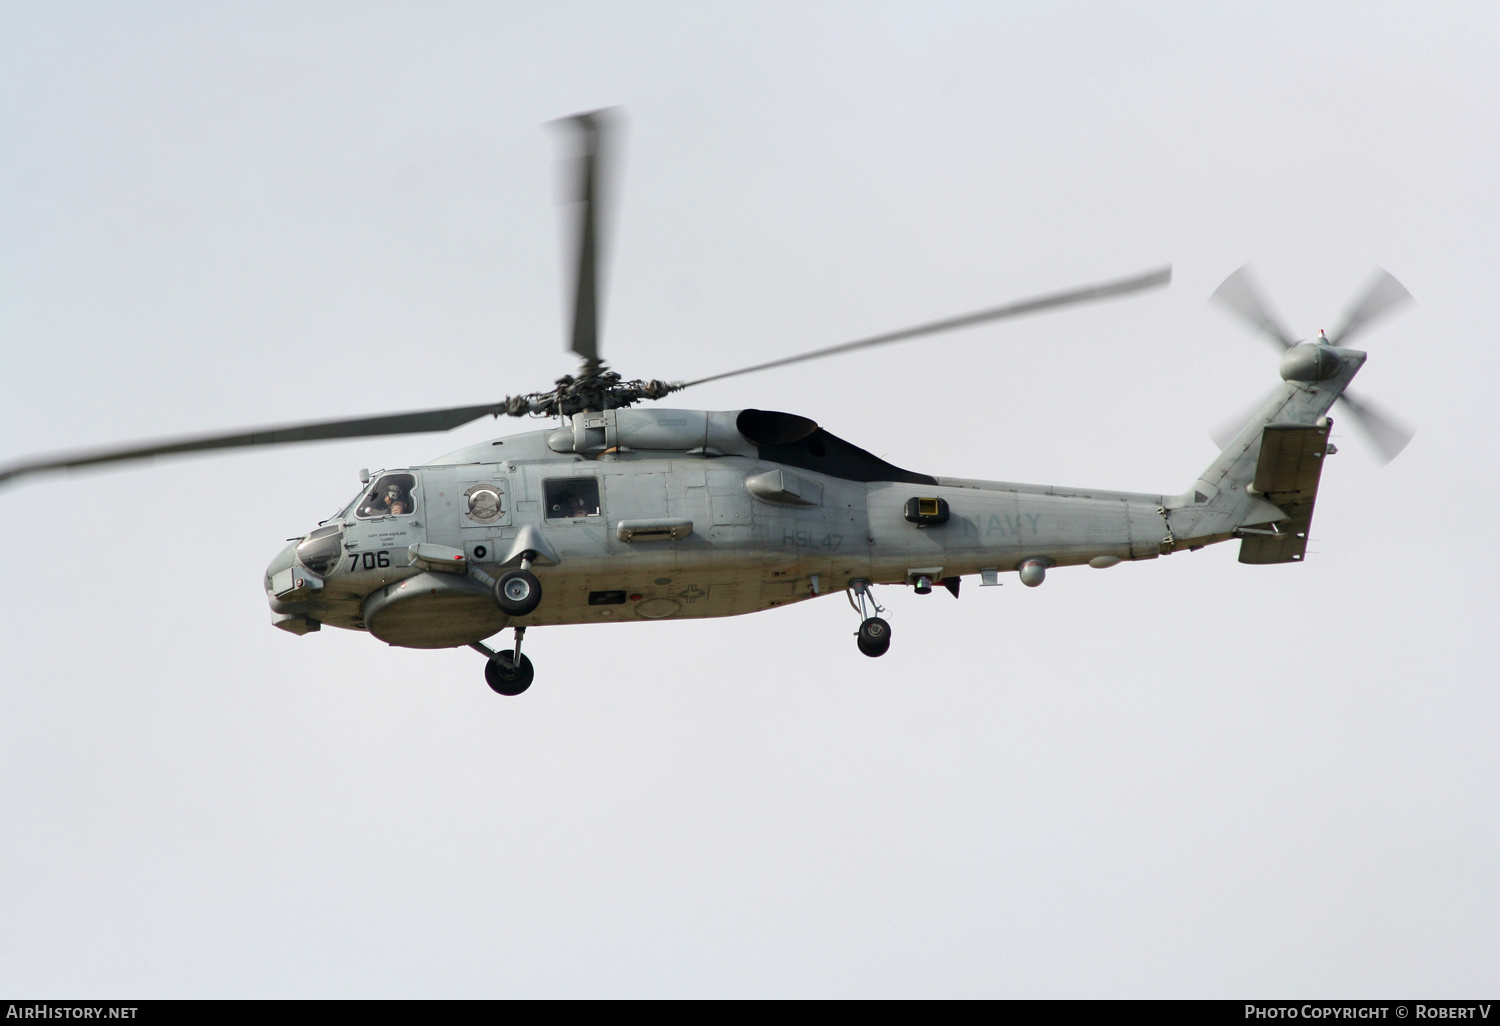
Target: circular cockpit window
x=320, y=551
x=484, y=504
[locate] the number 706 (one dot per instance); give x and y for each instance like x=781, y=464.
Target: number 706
x=369, y=560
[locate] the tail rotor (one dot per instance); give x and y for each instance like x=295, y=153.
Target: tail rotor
x=1386, y=432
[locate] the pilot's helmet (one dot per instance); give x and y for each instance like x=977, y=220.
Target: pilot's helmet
x=394, y=491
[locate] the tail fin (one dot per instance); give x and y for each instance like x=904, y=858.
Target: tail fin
x=1262, y=486
x=1286, y=475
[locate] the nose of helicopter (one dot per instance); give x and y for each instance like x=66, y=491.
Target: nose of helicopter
x=296, y=574
x=287, y=585
x=294, y=579
x=283, y=561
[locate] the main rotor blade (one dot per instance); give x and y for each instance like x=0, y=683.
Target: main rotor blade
x=587, y=192
x=1382, y=294
x=360, y=427
x=1387, y=433
x=1084, y=295
x=1238, y=292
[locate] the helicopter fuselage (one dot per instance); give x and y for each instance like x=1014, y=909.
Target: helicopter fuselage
x=653, y=514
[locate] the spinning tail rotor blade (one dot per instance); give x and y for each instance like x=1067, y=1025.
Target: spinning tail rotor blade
x=1087, y=294
x=1387, y=433
x=1226, y=431
x=359, y=427
x=1238, y=292
x=1382, y=295
x=587, y=194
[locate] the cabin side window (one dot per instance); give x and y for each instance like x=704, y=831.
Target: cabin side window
x=571, y=497
x=390, y=496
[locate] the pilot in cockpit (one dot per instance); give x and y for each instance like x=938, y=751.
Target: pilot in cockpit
x=393, y=501
x=396, y=501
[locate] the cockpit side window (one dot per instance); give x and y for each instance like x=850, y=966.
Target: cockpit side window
x=390, y=496
x=571, y=497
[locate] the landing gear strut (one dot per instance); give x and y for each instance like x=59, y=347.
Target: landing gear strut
x=507, y=672
x=874, y=634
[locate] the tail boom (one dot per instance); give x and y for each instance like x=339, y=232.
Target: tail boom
x=1262, y=486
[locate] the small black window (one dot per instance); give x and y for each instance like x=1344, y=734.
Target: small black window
x=571, y=497
x=391, y=496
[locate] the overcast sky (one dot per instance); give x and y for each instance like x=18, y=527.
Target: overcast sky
x=1181, y=777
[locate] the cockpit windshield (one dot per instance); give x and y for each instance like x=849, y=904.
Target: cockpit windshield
x=390, y=496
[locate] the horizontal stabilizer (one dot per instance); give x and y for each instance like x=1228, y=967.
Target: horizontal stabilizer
x=1287, y=474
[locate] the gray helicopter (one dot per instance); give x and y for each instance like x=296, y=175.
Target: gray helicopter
x=613, y=513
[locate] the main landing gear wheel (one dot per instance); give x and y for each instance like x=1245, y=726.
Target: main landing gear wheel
x=518, y=592
x=874, y=637
x=874, y=634
x=506, y=677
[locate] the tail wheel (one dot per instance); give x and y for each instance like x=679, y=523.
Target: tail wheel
x=518, y=592
x=874, y=637
x=507, y=677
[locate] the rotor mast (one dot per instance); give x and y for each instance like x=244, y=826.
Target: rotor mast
x=595, y=387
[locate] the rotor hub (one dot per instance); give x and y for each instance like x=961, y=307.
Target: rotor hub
x=1311, y=361
x=594, y=388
